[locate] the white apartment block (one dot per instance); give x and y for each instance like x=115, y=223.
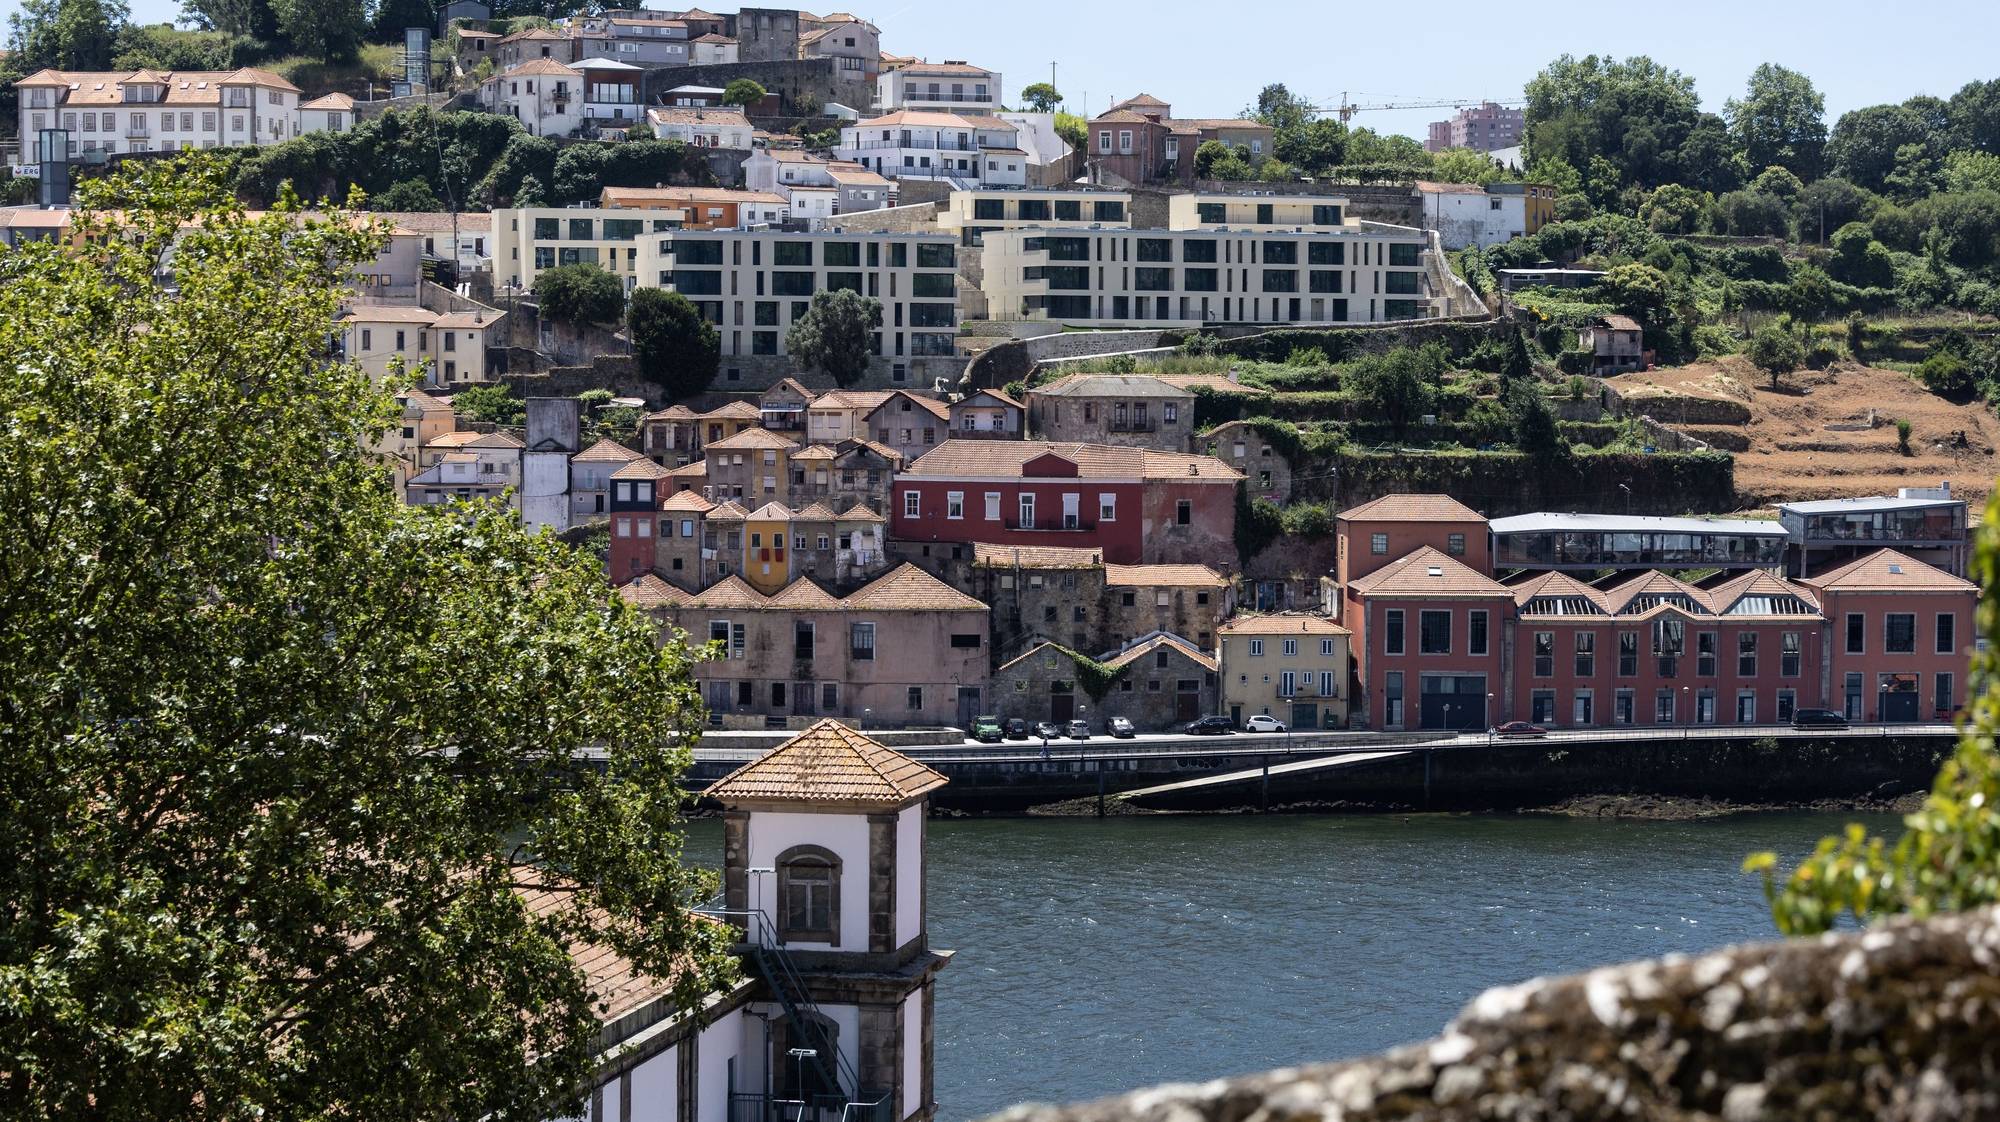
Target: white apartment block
x=449, y=348
x=158, y=110
x=530, y=239
x=966, y=151
x=953, y=86
x=973, y=214
x=1224, y=259
x=817, y=188
x=701, y=126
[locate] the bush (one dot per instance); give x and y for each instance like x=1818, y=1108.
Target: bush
x=580, y=294
x=678, y=349
x=1903, y=429
x=1201, y=343
x=491, y=403
x=1947, y=375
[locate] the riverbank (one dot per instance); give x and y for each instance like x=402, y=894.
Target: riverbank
x=1636, y=808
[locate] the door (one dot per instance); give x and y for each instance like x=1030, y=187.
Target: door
x=1305, y=715
x=968, y=705
x=1062, y=706
x=1897, y=698
x=1187, y=705
x=1452, y=701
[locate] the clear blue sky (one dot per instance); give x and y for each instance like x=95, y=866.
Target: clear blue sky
x=1210, y=59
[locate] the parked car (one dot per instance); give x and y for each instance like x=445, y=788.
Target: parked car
x=1520, y=730
x=1818, y=719
x=1120, y=728
x=1210, y=726
x=986, y=730
x=1263, y=722
x=1048, y=730
x=1079, y=730
x=1017, y=729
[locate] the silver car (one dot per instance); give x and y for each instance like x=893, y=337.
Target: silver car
x=1079, y=730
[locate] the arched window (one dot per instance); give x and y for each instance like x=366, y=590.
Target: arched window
x=809, y=895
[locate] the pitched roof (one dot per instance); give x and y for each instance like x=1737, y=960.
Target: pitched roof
x=997, y=395
x=1110, y=385
x=1200, y=576
x=860, y=512
x=536, y=66
x=829, y=763
x=1172, y=642
x=987, y=555
x=606, y=451
x=640, y=198
x=852, y=399
x=909, y=589
x=640, y=468
x=672, y=413
x=930, y=118
x=930, y=405
x=389, y=313
x=1759, y=593
x=814, y=452
x=772, y=512
x=1888, y=570
x=804, y=595
x=1413, y=508
x=479, y=319
x=687, y=501
x=1282, y=623
x=1007, y=458
x=751, y=438
x=737, y=410
x=815, y=512
x=1562, y=587
x=731, y=591
x=332, y=101
x=792, y=384
x=1620, y=323
x=1428, y=572
x=1618, y=599
x=649, y=591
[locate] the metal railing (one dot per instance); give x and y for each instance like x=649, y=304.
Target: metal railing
x=745, y=1107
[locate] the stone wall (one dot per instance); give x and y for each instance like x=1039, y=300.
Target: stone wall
x=1012, y=361
x=1901, y=1022
x=1499, y=484
x=791, y=79
x=908, y=218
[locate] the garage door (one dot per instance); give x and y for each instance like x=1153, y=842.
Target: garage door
x=1452, y=701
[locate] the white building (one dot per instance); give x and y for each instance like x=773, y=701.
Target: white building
x=554, y=435
x=952, y=86
x=1466, y=214
x=332, y=112
x=973, y=214
x=546, y=96
x=1259, y=259
x=966, y=151
x=610, y=91
x=449, y=348
x=712, y=49
x=824, y=880
x=814, y=187
x=461, y=466
x=701, y=126
x=158, y=110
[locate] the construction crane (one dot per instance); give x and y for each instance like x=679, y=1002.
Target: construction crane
x=1347, y=109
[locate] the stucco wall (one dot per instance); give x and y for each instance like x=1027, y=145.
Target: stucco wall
x=846, y=835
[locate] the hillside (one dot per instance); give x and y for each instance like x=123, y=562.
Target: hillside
x=1812, y=439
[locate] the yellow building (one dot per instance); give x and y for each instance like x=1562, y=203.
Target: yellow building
x=1291, y=666
x=766, y=560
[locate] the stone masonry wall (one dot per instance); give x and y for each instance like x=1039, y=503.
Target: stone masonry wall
x=789, y=78
x=1899, y=1023
x=910, y=218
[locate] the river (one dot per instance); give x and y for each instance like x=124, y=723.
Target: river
x=1095, y=957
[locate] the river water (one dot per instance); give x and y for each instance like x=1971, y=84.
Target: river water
x=1094, y=957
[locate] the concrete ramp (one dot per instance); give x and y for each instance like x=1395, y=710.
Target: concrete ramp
x=1259, y=774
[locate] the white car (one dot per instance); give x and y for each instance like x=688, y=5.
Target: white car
x=1263, y=722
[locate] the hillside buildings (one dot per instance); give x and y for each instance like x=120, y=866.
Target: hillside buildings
x=1138, y=141
x=164, y=110
x=964, y=150
x=952, y=86
x=1483, y=128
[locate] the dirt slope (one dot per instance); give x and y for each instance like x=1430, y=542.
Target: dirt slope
x=1811, y=438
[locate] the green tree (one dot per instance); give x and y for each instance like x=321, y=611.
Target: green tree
x=392, y=16
x=678, y=348
x=1674, y=209
x=1775, y=349
x=279, y=751
x=492, y=403
x=1535, y=429
x=1780, y=121
x=1400, y=386
x=1517, y=363
x=1971, y=171
x=1828, y=204
x=580, y=294
x=1315, y=148
x=639, y=130
x=1778, y=182
x=1073, y=131
x=743, y=91
x=329, y=30
x=1635, y=114
x=1042, y=97
x=1974, y=113
x=1216, y=160
x=836, y=334
x=88, y=31
x=252, y=19
x=1862, y=148
x=1639, y=291
x=1860, y=260
x=409, y=195
x=1463, y=165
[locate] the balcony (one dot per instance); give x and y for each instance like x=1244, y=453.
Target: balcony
x=137, y=130
x=916, y=142
x=913, y=96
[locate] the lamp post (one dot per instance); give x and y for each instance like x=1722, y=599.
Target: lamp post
x=1687, y=720
x=1490, y=722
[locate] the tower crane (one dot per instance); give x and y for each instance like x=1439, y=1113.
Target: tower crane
x=1347, y=109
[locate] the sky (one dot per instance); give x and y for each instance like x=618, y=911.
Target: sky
x=1205, y=65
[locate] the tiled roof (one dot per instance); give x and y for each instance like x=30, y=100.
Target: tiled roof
x=1559, y=585
x=467, y=320
x=929, y=405
x=1618, y=598
x=1888, y=570
x=882, y=450
x=389, y=313
x=536, y=66
x=859, y=512
x=772, y=512
x=649, y=591
x=851, y=399
x=792, y=384
x=1413, y=508
x=1174, y=643
x=615, y=982
x=333, y=101
x=987, y=555
x=183, y=87
x=997, y=395
x=854, y=175
x=1283, y=623
x=695, y=470
x=1428, y=572
x=751, y=438
x=672, y=413
x=815, y=512
x=418, y=399
x=641, y=197
x=712, y=37
x=728, y=509
x=1156, y=575
x=1620, y=323
x=640, y=468
x=1110, y=385
x=437, y=221
x=829, y=763
x=813, y=452
x=735, y=410
x=928, y=118
x=910, y=589
x=606, y=451
x=731, y=591
x=1007, y=458
x=687, y=501
x=1722, y=597
x=803, y=595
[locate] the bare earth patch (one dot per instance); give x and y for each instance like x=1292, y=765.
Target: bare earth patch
x=1811, y=438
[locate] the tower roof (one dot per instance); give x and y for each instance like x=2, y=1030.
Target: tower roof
x=829, y=763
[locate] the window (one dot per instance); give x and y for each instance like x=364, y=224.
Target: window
x=1392, y=632
x=1900, y=633
x=1104, y=141
x=1028, y=510
x=954, y=504
x=1256, y=648
x=1856, y=628
x=1378, y=544
x=1326, y=648
x=1107, y=507
x=802, y=640
x=1475, y=632
x=1454, y=544
x=1746, y=654
x=993, y=506
x=1434, y=632
x=861, y=642
x=1586, y=654
x=809, y=886
x=1947, y=633
x=1291, y=647
x=1392, y=699
x=1183, y=513
x=1704, y=654
x=1545, y=654
x=915, y=700
x=967, y=641
x=1945, y=700
x=1788, y=703
x=1788, y=655
x=1628, y=654
x=1621, y=707
x=912, y=504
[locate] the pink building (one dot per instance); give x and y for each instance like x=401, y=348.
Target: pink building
x=1427, y=642
x=1902, y=635
x=1385, y=530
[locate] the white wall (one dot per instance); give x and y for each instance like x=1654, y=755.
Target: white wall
x=846, y=835
x=1465, y=219
x=653, y=1088
x=909, y=873
x=720, y=1042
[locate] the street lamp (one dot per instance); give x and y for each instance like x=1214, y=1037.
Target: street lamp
x=1688, y=719
x=864, y=718
x=1489, y=720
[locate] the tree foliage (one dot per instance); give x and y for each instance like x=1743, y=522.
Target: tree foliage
x=1400, y=386
x=1780, y=121
x=1041, y=97
x=580, y=294
x=835, y=335
x=281, y=746
x=1775, y=349
x=678, y=348
x=743, y=91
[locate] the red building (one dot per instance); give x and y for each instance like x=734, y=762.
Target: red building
x=1902, y=636
x=637, y=490
x=1136, y=505
x=1439, y=643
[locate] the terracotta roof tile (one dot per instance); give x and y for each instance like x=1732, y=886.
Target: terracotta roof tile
x=687, y=501
x=1174, y=643
x=751, y=438
x=731, y=591
x=1282, y=623
x=803, y=595
x=672, y=413
x=859, y=512
x=910, y=589
x=987, y=555
x=639, y=468
x=1428, y=572
x=1007, y=458
x=1888, y=570
x=1413, y=508
x=1618, y=599
x=930, y=405
x=649, y=591
x=829, y=763
x=606, y=451
x=1156, y=575
x=739, y=410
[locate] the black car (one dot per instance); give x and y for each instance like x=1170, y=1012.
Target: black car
x=1017, y=729
x=1210, y=726
x=1818, y=719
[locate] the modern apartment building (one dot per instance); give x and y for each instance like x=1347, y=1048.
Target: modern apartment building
x=1223, y=259
x=952, y=86
x=158, y=110
x=975, y=213
x=962, y=149
x=1482, y=128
